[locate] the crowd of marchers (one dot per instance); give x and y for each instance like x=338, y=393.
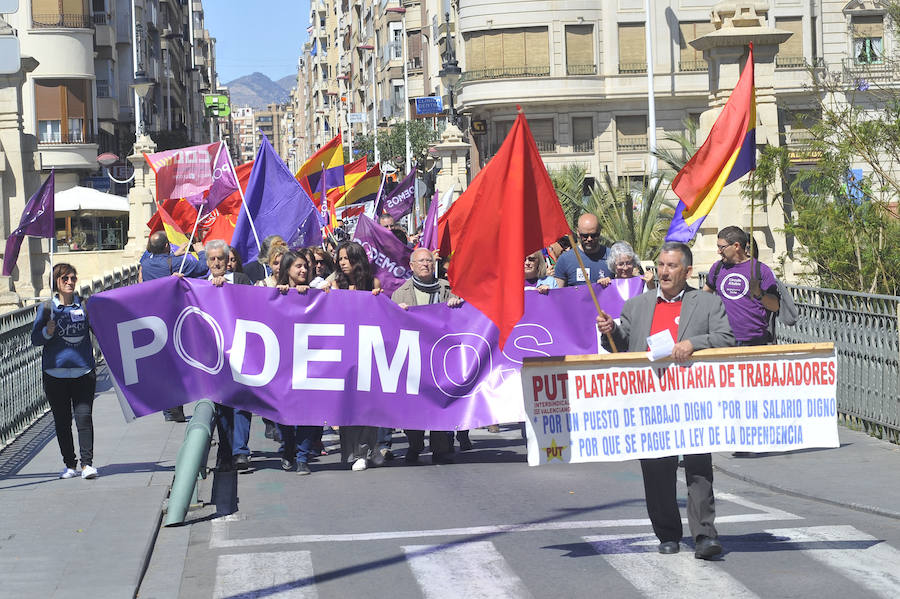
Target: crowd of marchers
x=736, y=307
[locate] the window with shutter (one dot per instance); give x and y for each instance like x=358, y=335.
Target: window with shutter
x=790, y=52
x=580, y=50
x=542, y=131
x=474, y=44
x=690, y=58
x=513, y=50
x=537, y=51
x=632, y=48
x=63, y=110
x=868, y=39
x=583, y=134
x=631, y=133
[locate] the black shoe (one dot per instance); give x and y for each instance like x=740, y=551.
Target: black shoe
x=303, y=468
x=241, y=462
x=223, y=465
x=707, y=548
x=669, y=547
x=174, y=415
x=412, y=458
x=465, y=444
x=287, y=465
x=441, y=458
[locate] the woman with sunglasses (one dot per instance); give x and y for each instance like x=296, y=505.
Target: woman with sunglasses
x=61, y=328
x=324, y=268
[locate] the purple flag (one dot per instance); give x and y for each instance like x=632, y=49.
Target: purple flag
x=388, y=255
x=278, y=205
x=345, y=357
x=430, y=231
x=224, y=183
x=400, y=201
x=37, y=220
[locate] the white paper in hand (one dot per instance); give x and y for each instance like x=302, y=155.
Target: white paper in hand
x=661, y=345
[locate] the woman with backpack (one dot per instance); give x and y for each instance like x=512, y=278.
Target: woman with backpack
x=62, y=329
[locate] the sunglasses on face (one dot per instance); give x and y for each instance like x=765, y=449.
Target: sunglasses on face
x=67, y=278
x=589, y=235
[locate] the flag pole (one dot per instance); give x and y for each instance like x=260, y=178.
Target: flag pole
x=243, y=201
x=190, y=240
x=590, y=286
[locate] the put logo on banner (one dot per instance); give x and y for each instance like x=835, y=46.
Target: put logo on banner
x=619, y=407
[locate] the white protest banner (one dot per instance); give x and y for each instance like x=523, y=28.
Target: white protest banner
x=616, y=407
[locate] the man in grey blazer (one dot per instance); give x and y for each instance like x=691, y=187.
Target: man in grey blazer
x=696, y=320
x=422, y=289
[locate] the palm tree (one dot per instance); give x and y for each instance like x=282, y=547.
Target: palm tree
x=639, y=216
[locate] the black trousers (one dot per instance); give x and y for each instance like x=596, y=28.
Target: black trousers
x=68, y=397
x=357, y=442
x=441, y=441
x=662, y=504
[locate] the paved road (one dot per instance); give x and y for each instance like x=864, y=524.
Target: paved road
x=490, y=526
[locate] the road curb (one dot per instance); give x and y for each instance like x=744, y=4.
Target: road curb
x=868, y=509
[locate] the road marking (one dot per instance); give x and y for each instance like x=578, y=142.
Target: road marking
x=218, y=534
x=276, y=575
x=464, y=571
x=635, y=557
x=867, y=561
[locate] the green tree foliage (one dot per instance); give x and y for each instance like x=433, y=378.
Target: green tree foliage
x=638, y=214
x=392, y=142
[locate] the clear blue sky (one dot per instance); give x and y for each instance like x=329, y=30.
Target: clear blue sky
x=264, y=36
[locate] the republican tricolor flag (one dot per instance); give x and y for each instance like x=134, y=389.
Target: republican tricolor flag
x=728, y=154
x=327, y=163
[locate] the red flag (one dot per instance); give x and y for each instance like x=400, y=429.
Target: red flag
x=219, y=224
x=509, y=211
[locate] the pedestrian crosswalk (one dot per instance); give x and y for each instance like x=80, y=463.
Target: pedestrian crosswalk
x=840, y=556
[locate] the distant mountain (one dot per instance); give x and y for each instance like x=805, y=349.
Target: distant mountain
x=287, y=82
x=257, y=90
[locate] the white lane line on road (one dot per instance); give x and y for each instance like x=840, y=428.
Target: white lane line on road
x=666, y=576
x=865, y=560
x=464, y=571
x=275, y=575
x=218, y=533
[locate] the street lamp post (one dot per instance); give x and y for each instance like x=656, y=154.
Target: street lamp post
x=450, y=72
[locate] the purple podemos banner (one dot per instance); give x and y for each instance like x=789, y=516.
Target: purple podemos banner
x=343, y=358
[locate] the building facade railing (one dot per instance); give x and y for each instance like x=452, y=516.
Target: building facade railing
x=632, y=143
x=882, y=70
x=581, y=69
x=506, y=73
x=693, y=66
x=62, y=20
x=626, y=68
x=22, y=398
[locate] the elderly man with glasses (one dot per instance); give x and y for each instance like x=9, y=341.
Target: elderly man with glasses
x=593, y=253
x=422, y=289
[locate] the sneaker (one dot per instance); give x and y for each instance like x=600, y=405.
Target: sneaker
x=287, y=465
x=88, y=472
x=303, y=468
x=68, y=473
x=359, y=465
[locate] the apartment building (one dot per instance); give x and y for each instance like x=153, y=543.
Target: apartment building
x=242, y=119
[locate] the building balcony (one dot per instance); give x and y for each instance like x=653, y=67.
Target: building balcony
x=74, y=151
x=103, y=88
x=689, y=66
x=581, y=69
x=100, y=18
x=626, y=68
x=632, y=143
x=505, y=73
x=881, y=70
x=61, y=21
x=414, y=64
x=107, y=108
x=584, y=147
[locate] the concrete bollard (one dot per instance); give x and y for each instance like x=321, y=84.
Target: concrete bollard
x=191, y=461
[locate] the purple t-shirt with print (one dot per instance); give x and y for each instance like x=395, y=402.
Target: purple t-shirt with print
x=748, y=317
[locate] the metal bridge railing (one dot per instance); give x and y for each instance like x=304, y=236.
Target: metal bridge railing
x=864, y=330
x=22, y=398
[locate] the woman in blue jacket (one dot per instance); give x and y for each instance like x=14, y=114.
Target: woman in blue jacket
x=67, y=360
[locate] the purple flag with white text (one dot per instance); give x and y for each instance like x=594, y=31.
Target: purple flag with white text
x=388, y=255
x=430, y=231
x=343, y=357
x=37, y=220
x=400, y=201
